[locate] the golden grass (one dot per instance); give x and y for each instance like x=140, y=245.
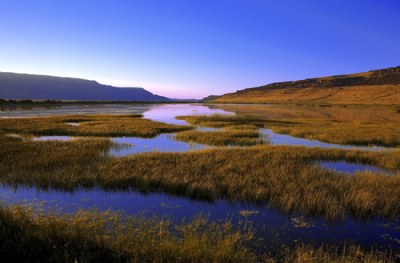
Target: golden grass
x=346, y=254
x=355, y=133
x=383, y=132
x=237, y=131
x=282, y=177
x=371, y=95
x=333, y=113
x=89, y=125
x=218, y=138
x=28, y=235
x=220, y=121
x=92, y=236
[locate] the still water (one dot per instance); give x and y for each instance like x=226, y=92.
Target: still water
x=274, y=228
x=161, y=143
x=352, y=168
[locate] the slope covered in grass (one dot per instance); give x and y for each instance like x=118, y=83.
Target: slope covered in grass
x=373, y=87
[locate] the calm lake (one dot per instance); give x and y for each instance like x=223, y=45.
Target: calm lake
x=274, y=229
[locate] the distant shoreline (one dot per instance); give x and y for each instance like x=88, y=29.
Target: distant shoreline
x=17, y=103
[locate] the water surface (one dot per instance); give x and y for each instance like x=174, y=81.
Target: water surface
x=54, y=138
x=161, y=143
x=273, y=229
x=352, y=168
x=284, y=139
x=36, y=111
x=167, y=113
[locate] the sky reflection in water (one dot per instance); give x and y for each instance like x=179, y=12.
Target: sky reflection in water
x=273, y=227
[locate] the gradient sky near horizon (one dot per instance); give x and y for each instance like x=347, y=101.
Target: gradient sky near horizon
x=194, y=48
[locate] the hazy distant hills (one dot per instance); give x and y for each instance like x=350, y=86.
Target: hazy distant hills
x=372, y=87
x=40, y=87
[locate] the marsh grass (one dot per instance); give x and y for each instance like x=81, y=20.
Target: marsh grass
x=355, y=133
x=346, y=254
x=357, y=125
x=220, y=121
x=90, y=125
x=91, y=236
x=348, y=132
x=231, y=137
x=282, y=177
x=236, y=131
x=52, y=163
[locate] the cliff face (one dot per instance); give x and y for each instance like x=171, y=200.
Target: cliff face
x=38, y=87
x=372, y=87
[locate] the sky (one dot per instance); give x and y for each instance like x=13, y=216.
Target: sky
x=195, y=48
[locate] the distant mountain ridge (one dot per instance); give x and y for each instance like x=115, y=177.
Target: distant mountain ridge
x=373, y=87
x=42, y=87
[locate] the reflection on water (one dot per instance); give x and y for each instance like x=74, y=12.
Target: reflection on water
x=352, y=168
x=167, y=113
x=284, y=139
x=207, y=129
x=12, y=112
x=161, y=143
x=273, y=228
x=53, y=138
x=73, y=123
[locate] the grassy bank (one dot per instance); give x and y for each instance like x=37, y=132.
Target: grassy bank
x=222, y=121
x=384, y=133
x=367, y=95
x=235, y=131
x=220, y=138
x=355, y=133
x=282, y=177
x=89, y=125
x=92, y=236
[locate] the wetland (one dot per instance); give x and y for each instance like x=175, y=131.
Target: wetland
x=241, y=182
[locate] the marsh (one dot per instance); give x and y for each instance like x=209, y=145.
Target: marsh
x=183, y=161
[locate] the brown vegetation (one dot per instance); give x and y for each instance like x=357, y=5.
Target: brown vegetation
x=375, y=95
x=89, y=125
x=219, y=138
x=374, y=87
x=283, y=177
x=384, y=132
x=92, y=236
x=236, y=131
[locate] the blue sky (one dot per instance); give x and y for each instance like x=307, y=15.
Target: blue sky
x=194, y=48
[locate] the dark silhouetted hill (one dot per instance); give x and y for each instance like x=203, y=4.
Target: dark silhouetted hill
x=41, y=87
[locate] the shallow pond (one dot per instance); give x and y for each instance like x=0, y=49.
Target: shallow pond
x=161, y=143
x=53, y=138
x=167, y=113
x=284, y=139
x=274, y=229
x=352, y=168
